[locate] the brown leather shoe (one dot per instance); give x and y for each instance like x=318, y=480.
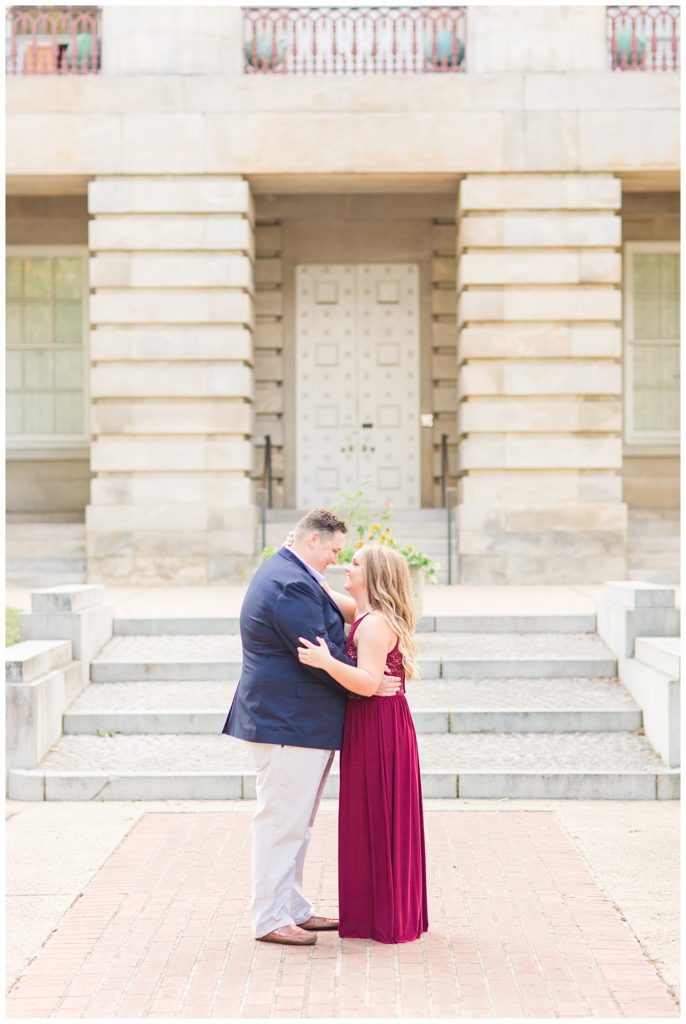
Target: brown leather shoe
x=289, y=935
x=320, y=924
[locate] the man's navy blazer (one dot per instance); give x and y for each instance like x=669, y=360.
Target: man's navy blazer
x=278, y=700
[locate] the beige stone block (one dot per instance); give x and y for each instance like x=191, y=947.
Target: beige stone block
x=443, y=367
x=268, y=271
x=268, y=367
x=271, y=425
x=170, y=270
x=445, y=423
x=580, y=91
x=139, y=454
x=195, y=488
x=221, y=542
x=268, y=399
x=528, y=268
x=268, y=335
x=169, y=515
x=531, y=304
x=534, y=341
x=539, y=415
x=181, y=380
x=606, y=140
x=155, y=143
x=558, y=488
x=540, y=452
x=169, y=194
x=170, y=343
x=444, y=270
x=541, y=140
x=540, y=191
x=183, y=40
x=232, y=233
x=269, y=303
x=180, y=417
x=146, y=571
x=233, y=517
x=444, y=335
x=36, y=137
x=572, y=517
x=539, y=377
x=268, y=240
x=528, y=38
x=135, y=306
x=443, y=301
x=547, y=230
x=443, y=239
x=445, y=399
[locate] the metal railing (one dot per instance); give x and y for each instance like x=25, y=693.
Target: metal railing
x=354, y=40
x=265, y=490
x=643, y=38
x=52, y=41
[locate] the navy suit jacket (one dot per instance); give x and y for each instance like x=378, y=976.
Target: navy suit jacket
x=278, y=700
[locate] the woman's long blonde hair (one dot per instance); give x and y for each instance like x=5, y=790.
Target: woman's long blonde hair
x=389, y=591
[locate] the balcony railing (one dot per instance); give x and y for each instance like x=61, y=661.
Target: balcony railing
x=354, y=40
x=53, y=40
x=643, y=38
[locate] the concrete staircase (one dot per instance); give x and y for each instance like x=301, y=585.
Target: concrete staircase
x=508, y=706
x=654, y=545
x=44, y=554
x=425, y=528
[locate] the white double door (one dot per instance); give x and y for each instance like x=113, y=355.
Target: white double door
x=357, y=382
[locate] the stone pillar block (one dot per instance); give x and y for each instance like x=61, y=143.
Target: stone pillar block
x=173, y=381
x=630, y=609
x=540, y=378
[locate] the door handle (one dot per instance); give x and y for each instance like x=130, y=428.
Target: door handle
x=367, y=426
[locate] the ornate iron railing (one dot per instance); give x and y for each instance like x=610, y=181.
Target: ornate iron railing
x=354, y=40
x=643, y=38
x=53, y=41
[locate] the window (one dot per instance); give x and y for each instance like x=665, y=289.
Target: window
x=652, y=342
x=46, y=329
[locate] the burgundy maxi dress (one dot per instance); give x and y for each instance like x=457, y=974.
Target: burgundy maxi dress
x=381, y=856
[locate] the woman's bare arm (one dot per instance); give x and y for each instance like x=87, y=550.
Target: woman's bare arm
x=374, y=640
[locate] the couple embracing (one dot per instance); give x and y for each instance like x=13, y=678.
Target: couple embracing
x=306, y=691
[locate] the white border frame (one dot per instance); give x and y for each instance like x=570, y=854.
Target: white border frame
x=641, y=438
x=36, y=446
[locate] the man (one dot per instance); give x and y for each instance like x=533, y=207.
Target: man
x=292, y=717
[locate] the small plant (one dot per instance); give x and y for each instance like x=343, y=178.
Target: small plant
x=369, y=526
x=12, y=635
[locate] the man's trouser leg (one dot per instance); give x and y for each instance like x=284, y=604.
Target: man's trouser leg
x=290, y=781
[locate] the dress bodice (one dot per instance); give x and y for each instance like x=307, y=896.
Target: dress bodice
x=394, y=659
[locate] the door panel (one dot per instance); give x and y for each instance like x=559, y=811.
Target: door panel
x=357, y=382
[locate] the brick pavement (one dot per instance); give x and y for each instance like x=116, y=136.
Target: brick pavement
x=518, y=928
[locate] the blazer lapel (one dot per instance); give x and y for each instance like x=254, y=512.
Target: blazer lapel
x=285, y=553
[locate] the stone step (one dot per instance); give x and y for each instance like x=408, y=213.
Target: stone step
x=290, y=516
x=601, y=765
x=660, y=652
x=441, y=655
x=428, y=624
x=503, y=705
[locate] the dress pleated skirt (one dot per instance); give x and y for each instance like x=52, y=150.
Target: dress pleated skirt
x=381, y=852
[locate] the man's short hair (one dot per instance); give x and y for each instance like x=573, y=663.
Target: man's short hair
x=320, y=520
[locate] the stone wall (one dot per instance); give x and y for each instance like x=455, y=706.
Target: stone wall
x=171, y=380
x=539, y=383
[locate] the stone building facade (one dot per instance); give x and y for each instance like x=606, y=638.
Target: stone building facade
x=358, y=266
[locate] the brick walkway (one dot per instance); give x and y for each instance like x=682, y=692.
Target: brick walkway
x=518, y=928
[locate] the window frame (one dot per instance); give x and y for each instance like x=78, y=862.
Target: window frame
x=667, y=439
x=57, y=445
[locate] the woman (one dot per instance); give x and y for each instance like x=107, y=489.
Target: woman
x=381, y=858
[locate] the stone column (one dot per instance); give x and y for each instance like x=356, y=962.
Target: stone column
x=171, y=380
x=539, y=379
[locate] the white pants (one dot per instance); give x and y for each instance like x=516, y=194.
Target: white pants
x=290, y=783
